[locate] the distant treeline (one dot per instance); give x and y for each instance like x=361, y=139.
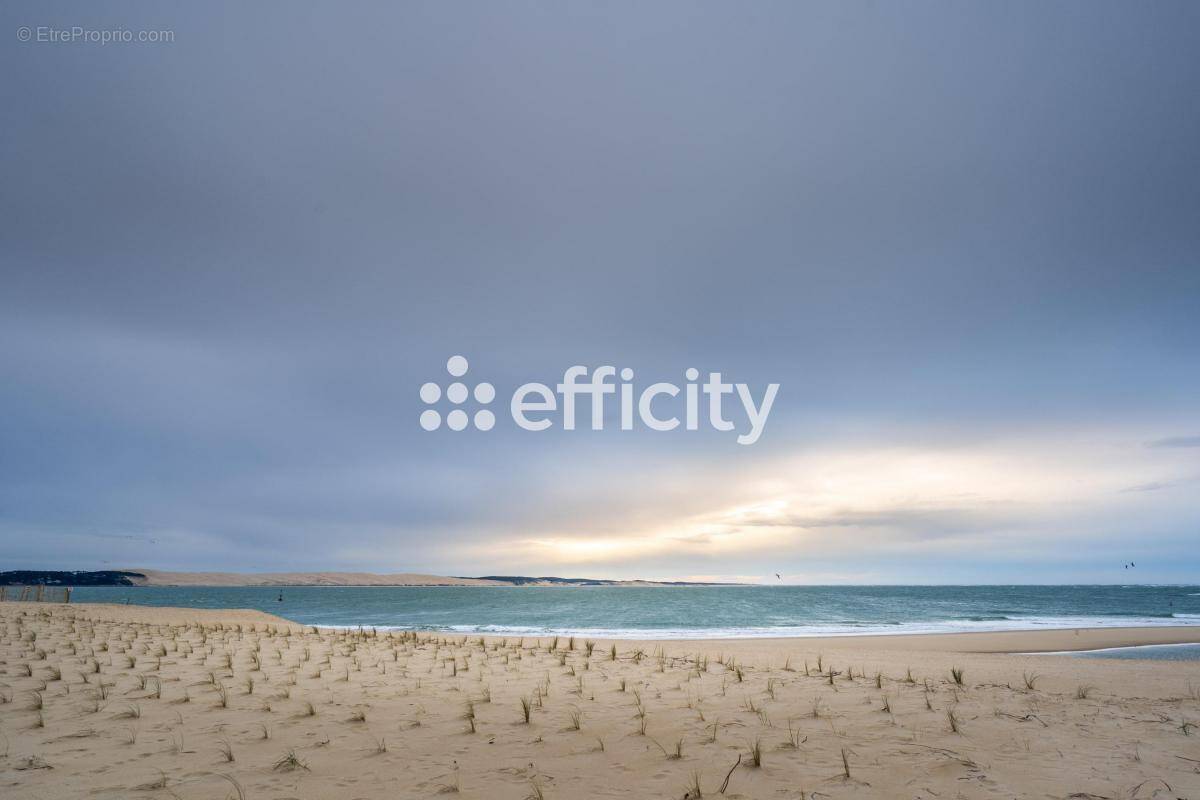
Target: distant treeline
x=21, y=577
x=124, y=578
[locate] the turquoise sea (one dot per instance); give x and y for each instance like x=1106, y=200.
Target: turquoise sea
x=692, y=612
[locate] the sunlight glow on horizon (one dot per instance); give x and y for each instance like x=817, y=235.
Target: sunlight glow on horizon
x=873, y=500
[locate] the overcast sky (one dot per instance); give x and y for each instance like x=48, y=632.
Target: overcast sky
x=963, y=238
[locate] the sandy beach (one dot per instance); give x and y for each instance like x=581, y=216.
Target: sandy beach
x=125, y=701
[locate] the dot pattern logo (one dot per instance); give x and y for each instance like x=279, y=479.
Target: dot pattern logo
x=457, y=393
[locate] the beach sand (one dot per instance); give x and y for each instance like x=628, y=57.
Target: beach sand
x=104, y=701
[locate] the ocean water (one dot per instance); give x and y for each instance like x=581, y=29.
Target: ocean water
x=1156, y=652
x=692, y=612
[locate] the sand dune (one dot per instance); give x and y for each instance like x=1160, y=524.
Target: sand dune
x=156, y=577
x=126, y=701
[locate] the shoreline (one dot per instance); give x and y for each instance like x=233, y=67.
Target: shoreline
x=1043, y=641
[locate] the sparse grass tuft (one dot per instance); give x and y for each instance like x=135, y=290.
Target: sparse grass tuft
x=536, y=792
x=794, y=739
x=290, y=762
x=132, y=711
x=160, y=783
x=756, y=752
x=675, y=754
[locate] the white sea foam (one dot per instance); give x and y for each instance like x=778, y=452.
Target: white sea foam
x=800, y=631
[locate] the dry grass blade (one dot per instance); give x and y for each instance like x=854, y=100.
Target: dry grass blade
x=290, y=762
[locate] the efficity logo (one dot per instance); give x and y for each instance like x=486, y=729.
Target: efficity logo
x=658, y=407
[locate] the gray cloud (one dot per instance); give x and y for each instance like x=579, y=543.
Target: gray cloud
x=229, y=262
x=1176, y=441
x=926, y=521
x=1152, y=486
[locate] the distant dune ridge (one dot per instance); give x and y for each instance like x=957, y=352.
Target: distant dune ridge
x=154, y=577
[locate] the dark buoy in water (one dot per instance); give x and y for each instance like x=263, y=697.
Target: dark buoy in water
x=280, y=600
